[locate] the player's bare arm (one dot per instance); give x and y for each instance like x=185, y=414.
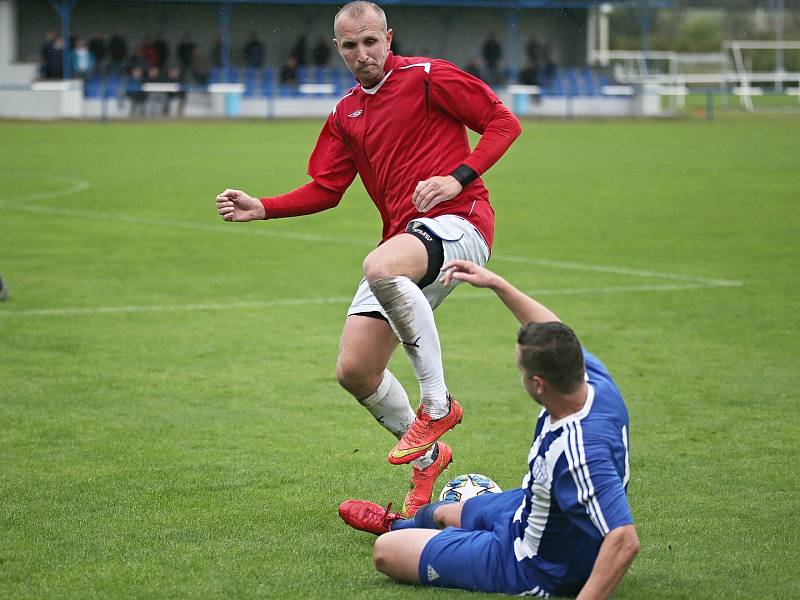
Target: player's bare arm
x=435, y=190
x=617, y=552
x=235, y=205
x=526, y=309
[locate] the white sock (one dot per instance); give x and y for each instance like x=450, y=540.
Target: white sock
x=411, y=318
x=426, y=460
x=389, y=405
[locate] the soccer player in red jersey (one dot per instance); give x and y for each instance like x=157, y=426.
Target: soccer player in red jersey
x=402, y=129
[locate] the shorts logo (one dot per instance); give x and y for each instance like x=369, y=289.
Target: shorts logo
x=432, y=574
x=355, y=114
x=421, y=233
x=539, y=470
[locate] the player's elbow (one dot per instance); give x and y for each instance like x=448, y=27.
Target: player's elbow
x=629, y=543
x=509, y=122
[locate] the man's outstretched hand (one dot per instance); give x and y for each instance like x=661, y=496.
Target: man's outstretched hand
x=235, y=205
x=463, y=270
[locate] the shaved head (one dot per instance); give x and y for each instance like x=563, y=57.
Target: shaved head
x=360, y=9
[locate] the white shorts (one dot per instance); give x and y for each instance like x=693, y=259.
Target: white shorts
x=460, y=241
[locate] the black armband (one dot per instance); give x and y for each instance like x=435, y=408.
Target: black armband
x=464, y=175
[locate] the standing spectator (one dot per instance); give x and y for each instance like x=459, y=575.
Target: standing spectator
x=97, y=48
x=54, y=60
x=148, y=52
x=82, y=62
x=254, y=52
x=47, y=49
x=186, y=54
x=201, y=66
x=492, y=53
x=534, y=51
x=161, y=51
x=549, y=62
x=322, y=53
x=118, y=53
x=216, y=52
x=300, y=51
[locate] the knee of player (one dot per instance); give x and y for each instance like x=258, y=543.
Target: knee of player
x=381, y=554
x=375, y=267
x=352, y=377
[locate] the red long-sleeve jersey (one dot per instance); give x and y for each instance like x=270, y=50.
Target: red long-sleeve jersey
x=409, y=127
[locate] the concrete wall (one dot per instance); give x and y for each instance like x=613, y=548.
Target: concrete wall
x=10, y=70
x=452, y=33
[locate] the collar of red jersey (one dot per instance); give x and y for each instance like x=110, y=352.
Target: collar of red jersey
x=389, y=67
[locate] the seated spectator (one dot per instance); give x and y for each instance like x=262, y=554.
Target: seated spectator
x=289, y=71
x=473, y=67
x=254, y=52
x=174, y=76
x=529, y=75
x=134, y=92
x=136, y=60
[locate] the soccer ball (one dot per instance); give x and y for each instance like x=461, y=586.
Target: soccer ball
x=468, y=486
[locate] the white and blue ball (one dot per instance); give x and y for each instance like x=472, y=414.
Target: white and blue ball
x=468, y=486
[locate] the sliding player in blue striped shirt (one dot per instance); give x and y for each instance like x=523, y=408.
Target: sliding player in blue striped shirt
x=568, y=529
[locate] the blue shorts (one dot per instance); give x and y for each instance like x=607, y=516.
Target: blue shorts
x=480, y=554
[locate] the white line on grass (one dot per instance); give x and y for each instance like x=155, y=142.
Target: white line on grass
x=343, y=300
x=74, y=185
x=78, y=185
x=241, y=228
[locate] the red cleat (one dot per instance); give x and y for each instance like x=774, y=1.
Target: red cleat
x=367, y=516
x=422, y=481
x=423, y=433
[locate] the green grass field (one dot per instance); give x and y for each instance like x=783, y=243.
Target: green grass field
x=170, y=423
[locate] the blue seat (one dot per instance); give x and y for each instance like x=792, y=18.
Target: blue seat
x=302, y=74
x=250, y=81
x=232, y=75
x=112, y=86
x=93, y=88
x=267, y=82
x=343, y=79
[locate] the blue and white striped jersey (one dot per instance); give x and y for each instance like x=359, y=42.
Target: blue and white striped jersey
x=575, y=488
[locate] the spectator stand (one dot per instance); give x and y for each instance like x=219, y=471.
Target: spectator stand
x=258, y=92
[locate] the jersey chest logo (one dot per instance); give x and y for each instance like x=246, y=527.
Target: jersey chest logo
x=355, y=113
x=539, y=470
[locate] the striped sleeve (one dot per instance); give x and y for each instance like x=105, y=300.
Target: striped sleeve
x=588, y=490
